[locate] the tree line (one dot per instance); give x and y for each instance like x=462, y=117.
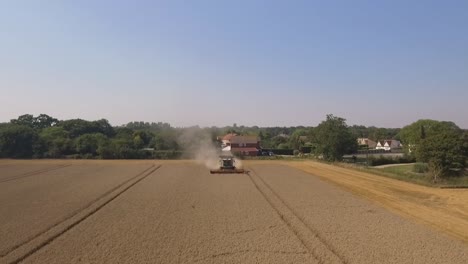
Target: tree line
x=47, y=137
x=44, y=136
x=442, y=145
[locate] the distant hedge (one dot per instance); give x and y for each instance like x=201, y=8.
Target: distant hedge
x=382, y=160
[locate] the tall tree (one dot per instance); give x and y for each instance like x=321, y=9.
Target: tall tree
x=24, y=120
x=55, y=142
x=442, y=151
x=334, y=138
x=17, y=141
x=90, y=143
x=39, y=122
x=412, y=134
x=43, y=121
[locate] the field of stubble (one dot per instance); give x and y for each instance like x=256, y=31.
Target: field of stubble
x=177, y=212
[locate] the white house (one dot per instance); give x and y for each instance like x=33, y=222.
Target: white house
x=388, y=144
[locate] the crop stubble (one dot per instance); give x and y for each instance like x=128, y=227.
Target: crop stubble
x=35, y=208
x=442, y=209
x=276, y=214
x=358, y=230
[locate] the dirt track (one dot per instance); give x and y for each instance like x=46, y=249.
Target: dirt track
x=134, y=212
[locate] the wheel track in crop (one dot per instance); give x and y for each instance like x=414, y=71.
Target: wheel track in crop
x=21, y=251
x=33, y=173
x=310, y=238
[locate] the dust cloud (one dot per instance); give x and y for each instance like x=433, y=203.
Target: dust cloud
x=199, y=145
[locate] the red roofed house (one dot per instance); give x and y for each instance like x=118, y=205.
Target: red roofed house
x=241, y=145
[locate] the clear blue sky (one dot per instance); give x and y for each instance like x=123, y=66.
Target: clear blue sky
x=266, y=63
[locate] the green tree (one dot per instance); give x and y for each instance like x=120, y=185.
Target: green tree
x=55, y=142
x=39, y=122
x=283, y=146
x=297, y=138
x=78, y=127
x=412, y=134
x=24, y=120
x=142, y=138
x=334, y=138
x=280, y=141
x=123, y=148
x=43, y=121
x=378, y=134
x=260, y=135
x=90, y=143
x=465, y=144
x=442, y=151
x=17, y=141
x=104, y=127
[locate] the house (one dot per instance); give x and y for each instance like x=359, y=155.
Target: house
x=226, y=139
x=241, y=145
x=388, y=144
x=365, y=141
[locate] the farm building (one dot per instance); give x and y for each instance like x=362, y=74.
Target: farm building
x=241, y=145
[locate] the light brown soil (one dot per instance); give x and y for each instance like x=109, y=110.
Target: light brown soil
x=16, y=170
x=33, y=204
x=179, y=213
x=443, y=209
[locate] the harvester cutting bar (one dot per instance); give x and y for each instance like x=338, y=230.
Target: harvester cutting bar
x=226, y=171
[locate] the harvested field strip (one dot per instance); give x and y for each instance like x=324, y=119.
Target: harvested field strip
x=74, y=213
x=246, y=251
x=32, y=173
x=322, y=251
x=26, y=249
x=443, y=209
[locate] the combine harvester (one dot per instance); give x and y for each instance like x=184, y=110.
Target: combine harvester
x=226, y=165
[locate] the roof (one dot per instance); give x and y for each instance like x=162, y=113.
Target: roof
x=388, y=142
x=245, y=139
x=229, y=136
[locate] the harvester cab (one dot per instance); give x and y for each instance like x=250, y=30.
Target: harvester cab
x=226, y=165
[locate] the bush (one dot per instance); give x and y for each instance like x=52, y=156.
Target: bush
x=420, y=167
x=382, y=160
x=373, y=161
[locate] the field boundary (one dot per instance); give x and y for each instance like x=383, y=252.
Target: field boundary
x=322, y=251
x=33, y=173
x=22, y=251
x=379, y=171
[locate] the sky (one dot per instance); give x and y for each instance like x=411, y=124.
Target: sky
x=216, y=63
